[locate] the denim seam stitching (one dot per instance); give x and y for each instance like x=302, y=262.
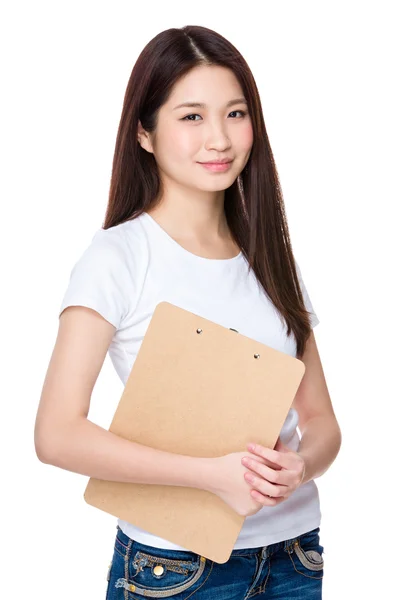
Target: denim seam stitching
x=161, y=592
x=266, y=579
x=121, y=543
x=206, y=578
x=126, y=568
x=258, y=573
x=303, y=574
x=254, y=577
x=302, y=555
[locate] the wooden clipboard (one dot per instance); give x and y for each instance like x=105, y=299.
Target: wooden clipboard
x=200, y=389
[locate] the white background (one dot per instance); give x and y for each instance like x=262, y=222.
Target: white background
x=335, y=83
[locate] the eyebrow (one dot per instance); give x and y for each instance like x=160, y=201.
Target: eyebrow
x=202, y=105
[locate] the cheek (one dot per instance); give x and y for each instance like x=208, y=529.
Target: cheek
x=245, y=138
x=180, y=145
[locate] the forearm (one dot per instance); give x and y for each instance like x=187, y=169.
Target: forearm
x=86, y=448
x=320, y=443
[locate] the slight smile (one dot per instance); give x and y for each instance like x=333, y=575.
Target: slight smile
x=217, y=166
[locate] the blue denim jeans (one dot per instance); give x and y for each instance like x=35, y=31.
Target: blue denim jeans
x=288, y=570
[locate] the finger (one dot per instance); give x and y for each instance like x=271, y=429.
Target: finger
x=280, y=458
x=262, y=460
x=265, y=487
x=281, y=477
x=265, y=500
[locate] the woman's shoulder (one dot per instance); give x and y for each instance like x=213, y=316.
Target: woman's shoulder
x=128, y=231
x=118, y=252
x=109, y=273
x=126, y=241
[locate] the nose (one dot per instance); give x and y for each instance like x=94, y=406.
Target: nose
x=217, y=137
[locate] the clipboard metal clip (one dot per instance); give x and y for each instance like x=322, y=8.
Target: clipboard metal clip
x=256, y=355
x=199, y=330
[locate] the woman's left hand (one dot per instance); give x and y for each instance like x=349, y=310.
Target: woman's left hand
x=274, y=480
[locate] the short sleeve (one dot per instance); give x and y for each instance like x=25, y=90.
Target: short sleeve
x=314, y=320
x=101, y=278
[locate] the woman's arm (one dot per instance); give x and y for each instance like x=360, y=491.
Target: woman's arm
x=319, y=446
x=320, y=433
x=66, y=438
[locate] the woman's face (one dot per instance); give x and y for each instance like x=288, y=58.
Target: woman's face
x=187, y=136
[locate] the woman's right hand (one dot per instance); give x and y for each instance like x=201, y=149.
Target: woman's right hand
x=229, y=484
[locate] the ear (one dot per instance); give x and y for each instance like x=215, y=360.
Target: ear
x=144, y=139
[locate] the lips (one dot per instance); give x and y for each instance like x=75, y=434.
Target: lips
x=217, y=167
x=217, y=162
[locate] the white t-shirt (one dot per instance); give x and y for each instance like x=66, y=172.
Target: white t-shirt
x=131, y=267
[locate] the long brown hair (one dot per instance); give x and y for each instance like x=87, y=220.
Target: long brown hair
x=254, y=204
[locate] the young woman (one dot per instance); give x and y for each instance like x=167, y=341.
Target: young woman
x=195, y=217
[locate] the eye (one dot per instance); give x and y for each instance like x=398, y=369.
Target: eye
x=243, y=113
x=186, y=118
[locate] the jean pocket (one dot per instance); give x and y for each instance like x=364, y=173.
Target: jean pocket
x=307, y=555
x=161, y=575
